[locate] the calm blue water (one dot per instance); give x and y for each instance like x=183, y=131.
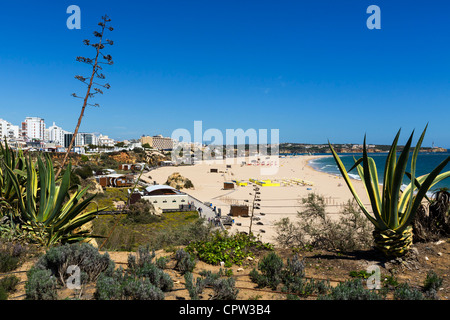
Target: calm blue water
x=426, y=162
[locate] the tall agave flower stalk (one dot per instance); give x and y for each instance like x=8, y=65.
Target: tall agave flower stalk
x=392, y=209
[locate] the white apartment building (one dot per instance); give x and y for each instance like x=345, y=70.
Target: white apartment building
x=56, y=134
x=8, y=130
x=105, y=141
x=33, y=128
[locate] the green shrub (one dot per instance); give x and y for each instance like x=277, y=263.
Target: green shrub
x=41, y=285
x=271, y=267
x=231, y=249
x=182, y=234
x=144, y=267
x=210, y=277
x=315, y=228
x=161, y=262
x=50, y=271
x=432, y=281
x=432, y=284
x=185, y=262
x=8, y=262
x=84, y=172
x=405, y=292
x=142, y=211
x=298, y=286
x=3, y=294
x=7, y=285
x=224, y=289
x=83, y=255
x=351, y=290
x=142, y=289
x=196, y=289
x=11, y=255
x=143, y=279
x=123, y=286
x=274, y=272
x=109, y=287
x=362, y=274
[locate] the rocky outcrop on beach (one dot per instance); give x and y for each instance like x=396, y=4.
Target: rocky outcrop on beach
x=177, y=181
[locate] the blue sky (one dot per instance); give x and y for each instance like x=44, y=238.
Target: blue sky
x=311, y=69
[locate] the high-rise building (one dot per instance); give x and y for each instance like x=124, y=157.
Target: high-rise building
x=89, y=138
x=67, y=138
x=33, y=129
x=56, y=134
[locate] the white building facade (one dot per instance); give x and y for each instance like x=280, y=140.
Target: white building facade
x=56, y=134
x=8, y=130
x=33, y=129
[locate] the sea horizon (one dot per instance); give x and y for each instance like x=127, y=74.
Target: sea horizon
x=426, y=162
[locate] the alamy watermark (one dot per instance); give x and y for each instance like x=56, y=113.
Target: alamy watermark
x=373, y=281
x=236, y=146
x=374, y=20
x=73, y=282
x=74, y=20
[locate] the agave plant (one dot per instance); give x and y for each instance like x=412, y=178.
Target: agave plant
x=8, y=194
x=52, y=212
x=393, y=209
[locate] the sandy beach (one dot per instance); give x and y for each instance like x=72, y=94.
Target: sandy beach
x=276, y=202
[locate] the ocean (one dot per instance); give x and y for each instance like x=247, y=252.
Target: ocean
x=426, y=162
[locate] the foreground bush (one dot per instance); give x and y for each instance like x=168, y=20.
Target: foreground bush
x=273, y=272
x=143, y=280
x=315, y=229
x=185, y=262
x=223, y=288
x=351, y=290
x=231, y=249
x=7, y=285
x=51, y=271
x=123, y=286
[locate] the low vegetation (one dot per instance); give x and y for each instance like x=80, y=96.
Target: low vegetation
x=316, y=229
x=226, y=248
x=165, y=231
x=144, y=279
x=28, y=217
x=274, y=273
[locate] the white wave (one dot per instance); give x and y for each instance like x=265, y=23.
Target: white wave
x=354, y=176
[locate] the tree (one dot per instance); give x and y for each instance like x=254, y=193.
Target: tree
x=89, y=82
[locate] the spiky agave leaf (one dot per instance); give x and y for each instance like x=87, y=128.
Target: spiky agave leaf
x=393, y=210
x=58, y=214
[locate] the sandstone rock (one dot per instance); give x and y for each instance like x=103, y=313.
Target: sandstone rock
x=177, y=181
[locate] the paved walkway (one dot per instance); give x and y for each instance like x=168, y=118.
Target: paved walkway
x=207, y=212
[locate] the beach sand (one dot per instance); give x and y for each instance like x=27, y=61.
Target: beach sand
x=276, y=202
